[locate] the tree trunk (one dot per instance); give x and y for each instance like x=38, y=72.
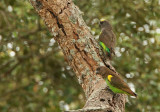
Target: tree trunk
x=65, y=22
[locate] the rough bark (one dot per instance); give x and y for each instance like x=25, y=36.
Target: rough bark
x=64, y=20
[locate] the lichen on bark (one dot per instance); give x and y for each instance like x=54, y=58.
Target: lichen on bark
x=64, y=20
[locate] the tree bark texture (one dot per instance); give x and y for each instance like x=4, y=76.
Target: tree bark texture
x=64, y=20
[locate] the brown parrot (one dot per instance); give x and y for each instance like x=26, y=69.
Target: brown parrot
x=114, y=81
x=107, y=38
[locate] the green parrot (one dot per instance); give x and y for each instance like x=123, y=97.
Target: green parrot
x=114, y=81
x=107, y=38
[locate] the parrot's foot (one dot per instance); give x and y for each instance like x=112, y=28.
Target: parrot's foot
x=111, y=91
x=116, y=95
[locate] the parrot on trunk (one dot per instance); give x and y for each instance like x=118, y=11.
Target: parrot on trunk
x=107, y=38
x=114, y=81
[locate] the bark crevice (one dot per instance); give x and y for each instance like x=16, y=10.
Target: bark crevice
x=58, y=23
x=82, y=52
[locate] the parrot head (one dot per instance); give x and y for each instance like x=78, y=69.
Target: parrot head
x=102, y=71
x=104, y=24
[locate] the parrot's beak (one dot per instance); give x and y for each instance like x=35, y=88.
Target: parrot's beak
x=97, y=70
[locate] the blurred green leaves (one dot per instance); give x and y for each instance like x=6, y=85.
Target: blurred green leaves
x=33, y=73
x=34, y=76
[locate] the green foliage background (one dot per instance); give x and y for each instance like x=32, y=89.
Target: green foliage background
x=34, y=76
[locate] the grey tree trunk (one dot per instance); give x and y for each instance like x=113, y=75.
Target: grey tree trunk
x=64, y=20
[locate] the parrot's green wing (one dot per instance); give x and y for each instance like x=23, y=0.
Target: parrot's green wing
x=104, y=47
x=104, y=41
x=118, y=82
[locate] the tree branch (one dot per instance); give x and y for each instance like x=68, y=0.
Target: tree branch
x=64, y=20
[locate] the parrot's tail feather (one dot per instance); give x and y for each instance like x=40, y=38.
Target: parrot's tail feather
x=132, y=93
x=109, y=55
x=112, y=51
x=135, y=94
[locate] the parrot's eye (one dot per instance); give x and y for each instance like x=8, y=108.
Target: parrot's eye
x=98, y=69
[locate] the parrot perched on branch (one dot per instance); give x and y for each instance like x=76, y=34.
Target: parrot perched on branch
x=114, y=81
x=107, y=38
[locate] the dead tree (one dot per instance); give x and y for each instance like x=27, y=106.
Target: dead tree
x=64, y=20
